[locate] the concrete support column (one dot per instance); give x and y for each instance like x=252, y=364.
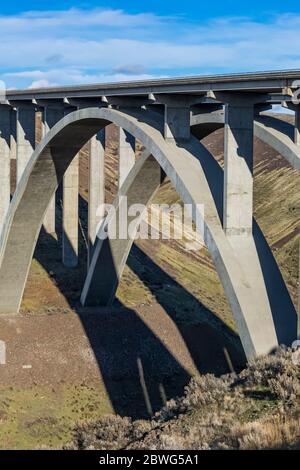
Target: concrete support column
x=13, y=134
x=177, y=122
x=297, y=125
x=5, y=124
x=238, y=169
x=70, y=214
x=25, y=137
x=96, y=188
x=50, y=117
x=126, y=154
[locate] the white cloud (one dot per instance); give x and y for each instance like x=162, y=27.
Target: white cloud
x=55, y=77
x=41, y=84
x=75, y=46
x=39, y=20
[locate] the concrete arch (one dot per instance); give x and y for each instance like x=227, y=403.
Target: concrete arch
x=111, y=255
x=272, y=131
x=182, y=163
x=279, y=135
x=99, y=289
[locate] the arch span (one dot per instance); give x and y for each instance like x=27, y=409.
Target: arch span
x=255, y=256
x=182, y=163
x=274, y=132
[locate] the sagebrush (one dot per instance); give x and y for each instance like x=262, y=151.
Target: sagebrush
x=259, y=408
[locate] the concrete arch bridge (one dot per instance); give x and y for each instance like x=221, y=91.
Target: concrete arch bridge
x=169, y=117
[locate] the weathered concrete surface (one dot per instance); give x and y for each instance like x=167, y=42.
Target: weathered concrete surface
x=126, y=149
x=192, y=180
x=25, y=137
x=5, y=125
x=96, y=188
x=70, y=214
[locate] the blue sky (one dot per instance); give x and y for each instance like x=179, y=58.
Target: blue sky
x=74, y=42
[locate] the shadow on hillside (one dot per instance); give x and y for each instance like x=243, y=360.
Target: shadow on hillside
x=126, y=350
x=205, y=335
x=135, y=365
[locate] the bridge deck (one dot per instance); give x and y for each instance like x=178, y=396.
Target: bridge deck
x=264, y=82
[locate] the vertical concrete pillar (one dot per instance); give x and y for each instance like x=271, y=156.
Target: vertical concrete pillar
x=13, y=134
x=297, y=125
x=238, y=168
x=96, y=188
x=25, y=137
x=177, y=122
x=126, y=154
x=50, y=117
x=5, y=124
x=70, y=214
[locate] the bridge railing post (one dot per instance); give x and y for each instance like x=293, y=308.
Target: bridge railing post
x=5, y=130
x=96, y=188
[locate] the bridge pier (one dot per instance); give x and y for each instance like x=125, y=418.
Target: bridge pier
x=70, y=214
x=5, y=129
x=126, y=153
x=96, y=188
x=238, y=220
x=25, y=137
x=13, y=134
x=51, y=116
x=297, y=125
x=238, y=168
x=177, y=121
